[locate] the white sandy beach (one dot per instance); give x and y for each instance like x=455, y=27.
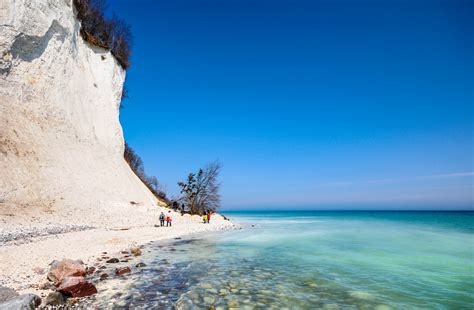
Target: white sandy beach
x=19, y=260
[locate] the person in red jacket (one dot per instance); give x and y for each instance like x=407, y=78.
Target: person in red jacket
x=168, y=220
x=208, y=217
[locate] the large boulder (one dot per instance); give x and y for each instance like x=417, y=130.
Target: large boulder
x=66, y=268
x=76, y=287
x=7, y=293
x=22, y=302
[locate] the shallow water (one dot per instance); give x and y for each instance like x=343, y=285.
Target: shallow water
x=309, y=260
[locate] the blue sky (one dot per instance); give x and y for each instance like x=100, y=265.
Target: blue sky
x=307, y=104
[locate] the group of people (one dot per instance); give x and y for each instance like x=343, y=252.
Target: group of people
x=206, y=217
x=166, y=218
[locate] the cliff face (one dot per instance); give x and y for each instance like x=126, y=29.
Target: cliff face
x=61, y=143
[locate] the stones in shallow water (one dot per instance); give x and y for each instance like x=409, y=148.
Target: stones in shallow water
x=233, y=304
x=136, y=251
x=193, y=295
x=212, y=291
x=90, y=270
x=361, y=295
x=205, y=285
x=113, y=260
x=140, y=265
x=209, y=300
x=310, y=283
x=223, y=292
x=122, y=271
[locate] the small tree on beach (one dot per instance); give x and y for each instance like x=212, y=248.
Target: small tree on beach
x=201, y=190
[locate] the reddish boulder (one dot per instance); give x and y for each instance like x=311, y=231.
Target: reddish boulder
x=122, y=270
x=76, y=287
x=66, y=268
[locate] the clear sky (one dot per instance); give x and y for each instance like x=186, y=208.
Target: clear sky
x=307, y=104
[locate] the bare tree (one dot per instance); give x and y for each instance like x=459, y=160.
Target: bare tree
x=134, y=161
x=201, y=190
x=120, y=40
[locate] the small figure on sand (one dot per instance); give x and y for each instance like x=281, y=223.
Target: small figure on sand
x=162, y=219
x=208, y=217
x=204, y=218
x=168, y=219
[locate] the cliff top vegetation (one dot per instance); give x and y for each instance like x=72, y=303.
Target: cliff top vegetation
x=111, y=33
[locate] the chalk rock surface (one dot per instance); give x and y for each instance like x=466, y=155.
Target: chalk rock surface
x=61, y=142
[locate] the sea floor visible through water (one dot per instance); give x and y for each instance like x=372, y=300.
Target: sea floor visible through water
x=308, y=260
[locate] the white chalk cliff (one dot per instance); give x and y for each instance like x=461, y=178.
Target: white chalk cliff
x=61, y=143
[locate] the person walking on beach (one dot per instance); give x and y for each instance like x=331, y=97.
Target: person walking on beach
x=168, y=220
x=204, y=218
x=162, y=219
x=208, y=217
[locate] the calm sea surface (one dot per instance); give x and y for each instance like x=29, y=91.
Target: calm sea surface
x=310, y=260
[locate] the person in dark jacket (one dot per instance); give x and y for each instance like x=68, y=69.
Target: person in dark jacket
x=162, y=219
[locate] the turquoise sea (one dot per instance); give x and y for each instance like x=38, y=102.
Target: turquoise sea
x=311, y=260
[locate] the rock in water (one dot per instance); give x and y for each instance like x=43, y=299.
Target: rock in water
x=361, y=295
x=55, y=299
x=66, y=268
x=7, y=293
x=122, y=270
x=140, y=265
x=22, y=302
x=77, y=287
x=136, y=251
x=112, y=261
x=90, y=270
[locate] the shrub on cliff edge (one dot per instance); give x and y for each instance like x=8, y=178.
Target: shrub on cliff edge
x=110, y=33
x=136, y=163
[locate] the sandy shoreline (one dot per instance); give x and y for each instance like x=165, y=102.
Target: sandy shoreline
x=20, y=262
